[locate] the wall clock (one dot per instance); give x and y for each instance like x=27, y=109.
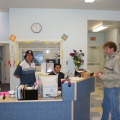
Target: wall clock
x=36, y=27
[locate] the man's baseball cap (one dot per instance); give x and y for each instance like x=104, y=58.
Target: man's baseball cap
x=28, y=52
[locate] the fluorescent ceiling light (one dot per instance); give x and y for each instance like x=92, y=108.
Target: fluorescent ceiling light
x=102, y=27
x=89, y=0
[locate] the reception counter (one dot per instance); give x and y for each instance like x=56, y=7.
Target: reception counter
x=72, y=104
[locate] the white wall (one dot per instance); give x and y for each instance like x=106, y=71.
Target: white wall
x=4, y=26
x=114, y=36
x=55, y=23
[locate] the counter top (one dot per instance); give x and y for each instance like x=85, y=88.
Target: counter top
x=40, y=99
x=78, y=79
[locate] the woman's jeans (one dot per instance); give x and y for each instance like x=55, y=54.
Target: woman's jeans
x=111, y=104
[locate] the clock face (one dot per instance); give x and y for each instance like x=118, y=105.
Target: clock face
x=36, y=27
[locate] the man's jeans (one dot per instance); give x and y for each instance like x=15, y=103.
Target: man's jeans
x=111, y=104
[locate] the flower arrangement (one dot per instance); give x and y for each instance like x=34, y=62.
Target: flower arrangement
x=77, y=58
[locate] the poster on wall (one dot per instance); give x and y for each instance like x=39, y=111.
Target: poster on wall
x=93, y=38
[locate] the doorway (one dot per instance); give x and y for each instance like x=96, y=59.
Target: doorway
x=94, y=55
x=1, y=51
x=4, y=67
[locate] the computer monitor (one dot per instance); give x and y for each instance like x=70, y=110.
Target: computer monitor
x=50, y=67
x=48, y=85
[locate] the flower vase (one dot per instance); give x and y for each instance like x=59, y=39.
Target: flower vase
x=77, y=74
x=79, y=71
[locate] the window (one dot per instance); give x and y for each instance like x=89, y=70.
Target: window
x=38, y=57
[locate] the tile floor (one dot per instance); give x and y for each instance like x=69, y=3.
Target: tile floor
x=96, y=101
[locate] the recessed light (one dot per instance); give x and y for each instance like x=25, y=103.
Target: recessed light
x=89, y=0
x=47, y=51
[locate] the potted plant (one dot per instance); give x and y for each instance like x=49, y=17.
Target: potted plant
x=78, y=59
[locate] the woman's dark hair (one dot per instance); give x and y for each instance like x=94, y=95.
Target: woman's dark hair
x=111, y=44
x=57, y=64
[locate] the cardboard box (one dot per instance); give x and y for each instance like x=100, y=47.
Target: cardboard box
x=87, y=74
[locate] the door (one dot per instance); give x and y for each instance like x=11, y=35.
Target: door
x=93, y=63
x=1, y=49
x=0, y=73
x=4, y=67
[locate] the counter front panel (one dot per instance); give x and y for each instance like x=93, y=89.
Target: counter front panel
x=73, y=105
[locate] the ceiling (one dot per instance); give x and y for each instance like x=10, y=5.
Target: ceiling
x=113, y=5
x=60, y=4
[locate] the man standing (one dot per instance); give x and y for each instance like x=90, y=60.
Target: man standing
x=56, y=71
x=111, y=81
x=26, y=70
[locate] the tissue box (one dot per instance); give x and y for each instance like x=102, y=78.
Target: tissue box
x=30, y=94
